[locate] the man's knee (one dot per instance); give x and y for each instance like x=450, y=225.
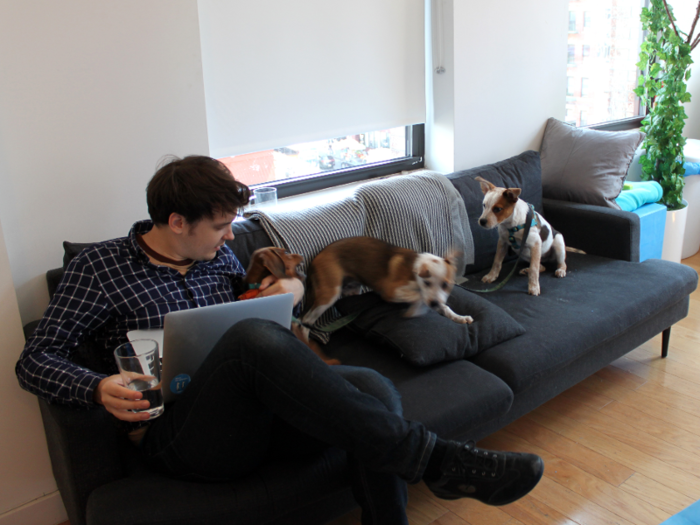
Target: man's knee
x=373, y=383
x=258, y=336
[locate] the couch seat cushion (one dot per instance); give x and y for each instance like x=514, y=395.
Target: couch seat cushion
x=449, y=398
x=597, y=300
x=260, y=498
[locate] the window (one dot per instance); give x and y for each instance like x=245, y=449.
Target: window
x=572, y=22
x=584, y=87
x=570, y=86
x=606, y=67
x=314, y=165
x=311, y=79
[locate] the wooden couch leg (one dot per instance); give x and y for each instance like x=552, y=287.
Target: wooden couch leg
x=665, y=338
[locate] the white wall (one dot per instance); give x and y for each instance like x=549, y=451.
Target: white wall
x=92, y=94
x=510, y=76
x=24, y=460
x=505, y=76
x=440, y=87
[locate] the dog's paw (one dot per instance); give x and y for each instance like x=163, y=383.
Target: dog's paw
x=561, y=272
x=533, y=289
x=463, y=319
x=489, y=278
x=524, y=271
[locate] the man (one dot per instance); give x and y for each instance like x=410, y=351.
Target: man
x=261, y=395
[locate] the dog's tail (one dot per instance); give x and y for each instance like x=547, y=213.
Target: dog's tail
x=574, y=250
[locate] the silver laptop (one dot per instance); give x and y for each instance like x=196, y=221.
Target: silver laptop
x=189, y=335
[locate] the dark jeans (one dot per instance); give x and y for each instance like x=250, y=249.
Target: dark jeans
x=263, y=394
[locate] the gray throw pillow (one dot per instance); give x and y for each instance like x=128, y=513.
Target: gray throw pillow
x=585, y=165
x=431, y=338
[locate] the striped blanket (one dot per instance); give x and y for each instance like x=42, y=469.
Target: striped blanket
x=421, y=212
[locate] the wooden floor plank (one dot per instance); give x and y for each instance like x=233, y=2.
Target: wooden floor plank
x=607, y=496
x=641, y=440
x=578, y=455
x=670, y=476
x=576, y=507
x=657, y=494
x=530, y=511
x=423, y=508
x=656, y=427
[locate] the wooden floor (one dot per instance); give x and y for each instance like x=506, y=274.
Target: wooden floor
x=621, y=447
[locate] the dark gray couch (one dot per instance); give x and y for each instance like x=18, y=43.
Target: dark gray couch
x=607, y=305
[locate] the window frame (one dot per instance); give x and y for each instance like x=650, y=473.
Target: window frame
x=415, y=146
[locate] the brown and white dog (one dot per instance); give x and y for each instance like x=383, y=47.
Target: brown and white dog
x=504, y=208
x=398, y=275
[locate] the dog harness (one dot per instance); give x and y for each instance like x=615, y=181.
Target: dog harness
x=512, y=231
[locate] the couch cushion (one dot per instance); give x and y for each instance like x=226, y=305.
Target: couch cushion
x=248, y=237
x=449, y=398
x=522, y=171
x=586, y=165
x=431, y=338
x=597, y=300
x=259, y=498
x=71, y=249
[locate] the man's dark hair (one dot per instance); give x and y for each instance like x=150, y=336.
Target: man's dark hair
x=194, y=187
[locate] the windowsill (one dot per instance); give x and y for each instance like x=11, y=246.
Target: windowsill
x=327, y=195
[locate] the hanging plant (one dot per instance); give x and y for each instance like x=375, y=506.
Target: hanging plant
x=665, y=59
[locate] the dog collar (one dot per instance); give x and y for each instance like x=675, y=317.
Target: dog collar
x=512, y=231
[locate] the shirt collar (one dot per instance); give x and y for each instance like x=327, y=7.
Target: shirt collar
x=143, y=227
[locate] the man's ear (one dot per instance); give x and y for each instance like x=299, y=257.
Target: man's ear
x=177, y=223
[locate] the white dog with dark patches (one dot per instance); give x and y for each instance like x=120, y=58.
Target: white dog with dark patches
x=504, y=208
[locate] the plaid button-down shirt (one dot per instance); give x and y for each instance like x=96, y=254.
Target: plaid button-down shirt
x=106, y=291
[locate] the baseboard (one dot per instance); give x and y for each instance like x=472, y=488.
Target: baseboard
x=46, y=510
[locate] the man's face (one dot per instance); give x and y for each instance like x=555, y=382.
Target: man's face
x=204, y=238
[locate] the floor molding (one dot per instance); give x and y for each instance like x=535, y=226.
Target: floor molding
x=46, y=510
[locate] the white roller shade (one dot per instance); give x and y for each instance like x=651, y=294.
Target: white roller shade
x=282, y=72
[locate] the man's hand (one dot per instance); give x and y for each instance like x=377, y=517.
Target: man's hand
x=270, y=285
x=119, y=400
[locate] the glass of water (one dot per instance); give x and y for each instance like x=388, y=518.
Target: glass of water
x=139, y=366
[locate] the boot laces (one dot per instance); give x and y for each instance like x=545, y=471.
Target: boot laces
x=478, y=461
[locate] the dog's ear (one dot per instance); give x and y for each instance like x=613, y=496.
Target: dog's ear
x=291, y=261
x=273, y=260
x=257, y=269
x=512, y=194
x=486, y=186
x=452, y=257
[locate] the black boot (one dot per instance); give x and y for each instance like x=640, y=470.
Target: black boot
x=494, y=478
